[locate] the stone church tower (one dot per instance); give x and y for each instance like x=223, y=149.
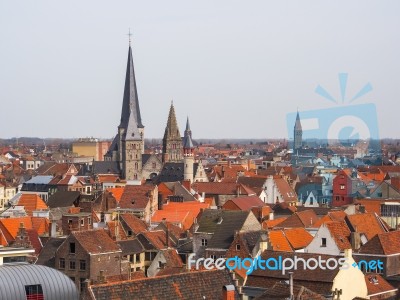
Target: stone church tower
x=128, y=145
x=172, y=141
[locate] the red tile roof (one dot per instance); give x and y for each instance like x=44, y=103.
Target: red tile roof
x=377, y=285
x=385, y=244
x=134, y=223
x=222, y=188
x=116, y=192
x=136, y=196
x=245, y=203
x=95, y=241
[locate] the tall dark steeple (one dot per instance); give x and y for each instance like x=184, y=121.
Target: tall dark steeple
x=172, y=141
x=298, y=133
x=128, y=145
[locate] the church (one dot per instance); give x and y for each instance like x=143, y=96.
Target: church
x=127, y=151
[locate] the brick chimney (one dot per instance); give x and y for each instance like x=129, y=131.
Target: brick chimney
x=395, y=181
x=228, y=292
x=186, y=184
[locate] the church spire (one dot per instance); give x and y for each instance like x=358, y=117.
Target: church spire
x=172, y=141
x=187, y=139
x=187, y=130
x=130, y=104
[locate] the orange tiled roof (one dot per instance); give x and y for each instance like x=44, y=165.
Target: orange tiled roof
x=298, y=238
x=366, y=223
x=272, y=223
x=31, y=202
x=384, y=244
x=116, y=192
x=278, y=241
x=180, y=212
x=340, y=233
x=10, y=226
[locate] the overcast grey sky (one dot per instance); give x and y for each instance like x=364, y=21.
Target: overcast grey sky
x=236, y=68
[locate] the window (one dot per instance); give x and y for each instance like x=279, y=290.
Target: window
x=82, y=222
x=82, y=265
x=237, y=247
x=34, y=292
x=72, y=265
x=61, y=263
x=323, y=242
x=89, y=221
x=154, y=165
x=102, y=217
x=82, y=284
x=311, y=200
x=203, y=242
x=342, y=187
x=213, y=257
x=72, y=248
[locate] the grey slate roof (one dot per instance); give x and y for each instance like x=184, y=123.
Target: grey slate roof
x=173, y=172
x=223, y=223
x=55, y=285
x=63, y=199
x=106, y=167
x=130, y=246
x=47, y=254
x=130, y=101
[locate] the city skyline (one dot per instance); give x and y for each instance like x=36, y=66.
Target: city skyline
x=63, y=69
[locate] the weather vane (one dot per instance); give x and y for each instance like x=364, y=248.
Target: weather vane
x=130, y=35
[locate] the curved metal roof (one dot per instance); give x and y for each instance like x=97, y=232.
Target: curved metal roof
x=55, y=285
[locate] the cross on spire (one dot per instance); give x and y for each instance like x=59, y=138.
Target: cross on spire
x=129, y=35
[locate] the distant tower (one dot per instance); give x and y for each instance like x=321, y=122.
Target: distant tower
x=188, y=154
x=172, y=141
x=128, y=145
x=298, y=133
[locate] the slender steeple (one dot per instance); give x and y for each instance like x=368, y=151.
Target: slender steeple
x=130, y=104
x=187, y=138
x=172, y=141
x=187, y=130
x=298, y=133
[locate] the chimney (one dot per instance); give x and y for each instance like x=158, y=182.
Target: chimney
x=291, y=286
x=223, y=171
x=229, y=163
x=52, y=229
x=101, y=278
x=186, y=184
x=361, y=209
x=348, y=253
x=160, y=201
x=228, y=292
x=264, y=241
x=271, y=216
x=395, y=182
x=355, y=240
x=238, y=190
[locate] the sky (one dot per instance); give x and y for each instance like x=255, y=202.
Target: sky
x=236, y=68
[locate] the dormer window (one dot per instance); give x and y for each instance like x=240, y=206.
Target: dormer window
x=323, y=242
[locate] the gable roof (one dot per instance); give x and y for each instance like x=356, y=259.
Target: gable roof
x=298, y=238
x=47, y=254
x=95, y=241
x=189, y=285
x=304, y=219
x=63, y=199
x=222, y=188
x=278, y=241
x=133, y=223
x=10, y=226
x=377, y=285
x=365, y=223
x=245, y=203
x=340, y=233
x=385, y=244
x=136, y=196
x=31, y=202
